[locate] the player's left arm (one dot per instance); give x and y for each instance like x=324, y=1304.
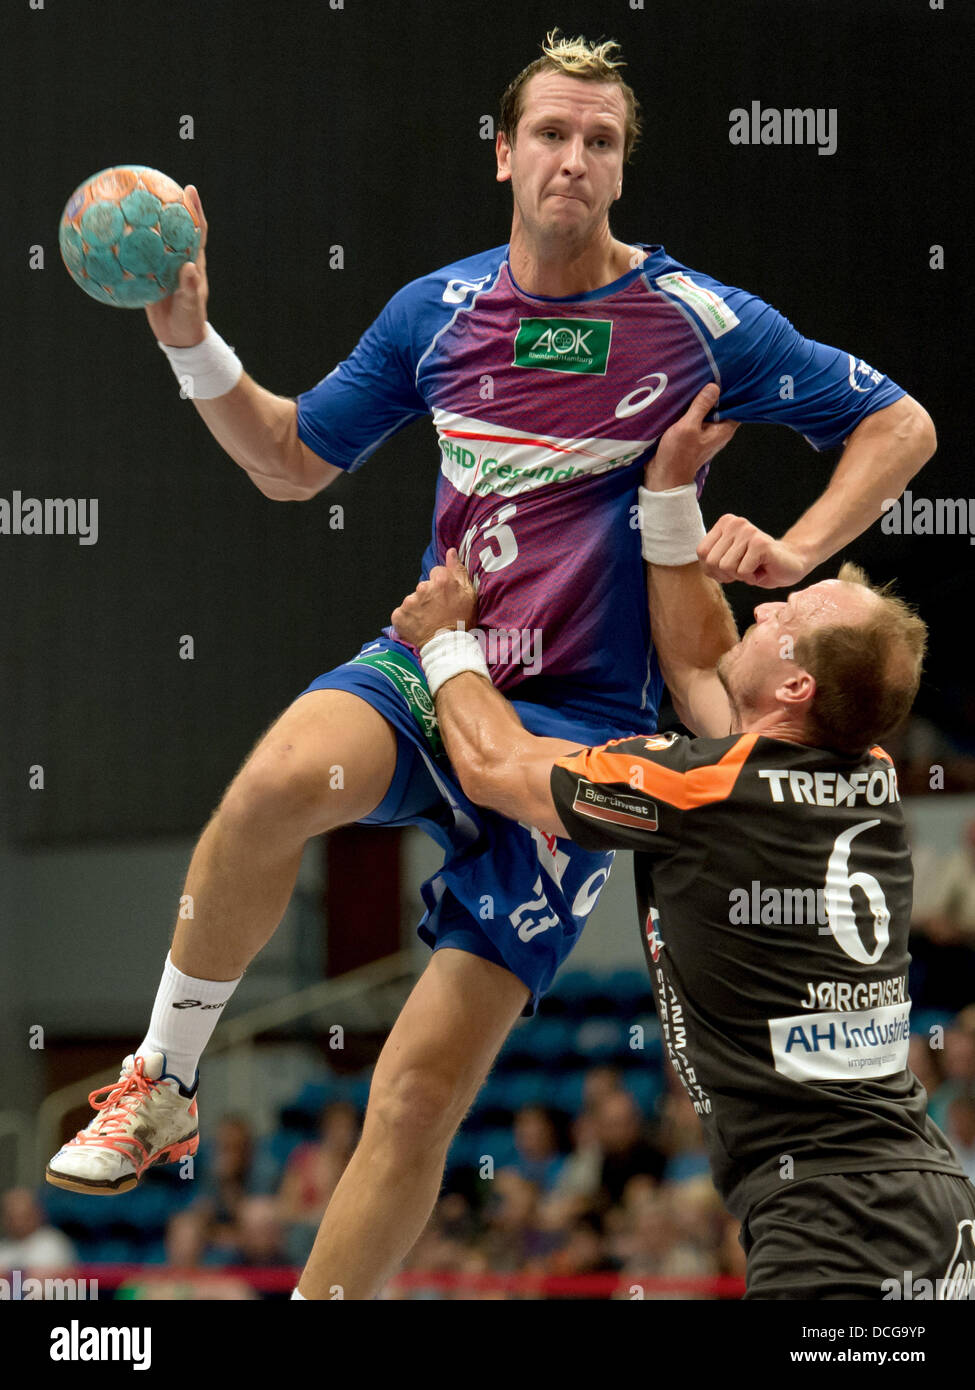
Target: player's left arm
x=881, y=456
x=770, y=373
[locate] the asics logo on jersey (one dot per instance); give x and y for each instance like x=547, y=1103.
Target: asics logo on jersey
x=643, y=396
x=863, y=377
x=458, y=290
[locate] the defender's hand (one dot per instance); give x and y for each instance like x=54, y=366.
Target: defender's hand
x=444, y=600
x=688, y=444
x=180, y=319
x=735, y=549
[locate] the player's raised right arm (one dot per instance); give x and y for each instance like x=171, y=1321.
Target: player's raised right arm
x=691, y=624
x=256, y=428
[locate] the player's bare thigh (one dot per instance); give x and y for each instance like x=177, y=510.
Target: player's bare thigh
x=327, y=761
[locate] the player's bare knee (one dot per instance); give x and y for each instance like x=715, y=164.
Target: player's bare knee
x=416, y=1106
x=280, y=787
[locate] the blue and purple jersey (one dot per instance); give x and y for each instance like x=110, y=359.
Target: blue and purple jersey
x=546, y=411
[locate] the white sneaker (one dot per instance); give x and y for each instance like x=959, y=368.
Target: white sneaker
x=146, y=1117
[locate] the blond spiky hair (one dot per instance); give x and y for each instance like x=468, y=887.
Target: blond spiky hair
x=575, y=57
x=579, y=56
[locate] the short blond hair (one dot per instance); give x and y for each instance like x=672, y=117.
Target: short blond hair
x=577, y=57
x=867, y=674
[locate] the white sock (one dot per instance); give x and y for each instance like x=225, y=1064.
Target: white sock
x=296, y=1294
x=184, y=1016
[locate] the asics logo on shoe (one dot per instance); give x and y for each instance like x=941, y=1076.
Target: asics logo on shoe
x=194, y=1004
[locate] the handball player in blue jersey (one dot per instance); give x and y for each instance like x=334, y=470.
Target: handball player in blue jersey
x=551, y=367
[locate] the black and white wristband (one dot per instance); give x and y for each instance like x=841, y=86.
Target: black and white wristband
x=206, y=371
x=449, y=653
x=671, y=525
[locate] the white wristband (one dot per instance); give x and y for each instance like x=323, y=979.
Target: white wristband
x=208, y=370
x=671, y=525
x=448, y=654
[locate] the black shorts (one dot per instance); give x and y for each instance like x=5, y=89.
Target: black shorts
x=904, y=1234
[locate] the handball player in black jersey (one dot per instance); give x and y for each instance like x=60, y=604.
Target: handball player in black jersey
x=774, y=885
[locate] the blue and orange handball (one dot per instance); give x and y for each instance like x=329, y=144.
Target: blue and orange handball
x=125, y=233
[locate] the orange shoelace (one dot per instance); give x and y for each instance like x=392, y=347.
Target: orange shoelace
x=123, y=1095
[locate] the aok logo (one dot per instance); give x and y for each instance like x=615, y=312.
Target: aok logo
x=564, y=345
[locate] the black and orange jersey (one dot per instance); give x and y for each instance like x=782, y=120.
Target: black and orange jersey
x=774, y=887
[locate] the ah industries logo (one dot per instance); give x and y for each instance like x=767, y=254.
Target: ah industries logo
x=564, y=345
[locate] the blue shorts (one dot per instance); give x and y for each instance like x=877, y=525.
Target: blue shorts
x=505, y=892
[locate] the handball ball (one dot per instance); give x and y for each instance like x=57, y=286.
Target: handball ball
x=125, y=233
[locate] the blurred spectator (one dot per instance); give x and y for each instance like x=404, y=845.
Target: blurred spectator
x=260, y=1233
x=513, y=1235
x=942, y=938
x=598, y=1083
x=185, y=1276
x=312, y=1174
x=961, y=1130
x=918, y=747
x=626, y=1149
x=186, y=1239
x=681, y=1137
x=957, y=1065
x=229, y=1172
x=29, y=1243
x=923, y=1061
x=584, y=1250
x=536, y=1141
x=731, y=1252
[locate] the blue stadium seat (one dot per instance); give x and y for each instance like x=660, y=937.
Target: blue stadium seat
x=74, y=1212
x=359, y=1090
x=567, y=1092
x=497, y=1144
x=646, y=1088
x=145, y=1208
x=652, y=1049
x=527, y=1088
x=518, y=1049
x=574, y=988
x=602, y=1040
x=632, y=991
x=282, y=1144
x=925, y=1019
x=113, y=1252
x=494, y=1097
x=550, y=1040
x=683, y=1167
x=465, y=1150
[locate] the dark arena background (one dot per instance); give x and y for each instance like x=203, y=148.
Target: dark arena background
x=342, y=150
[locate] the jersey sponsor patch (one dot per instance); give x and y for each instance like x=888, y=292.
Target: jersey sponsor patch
x=710, y=308
x=598, y=803
x=842, y=1046
x=658, y=742
x=413, y=688
x=651, y=929
x=564, y=345
x=482, y=459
